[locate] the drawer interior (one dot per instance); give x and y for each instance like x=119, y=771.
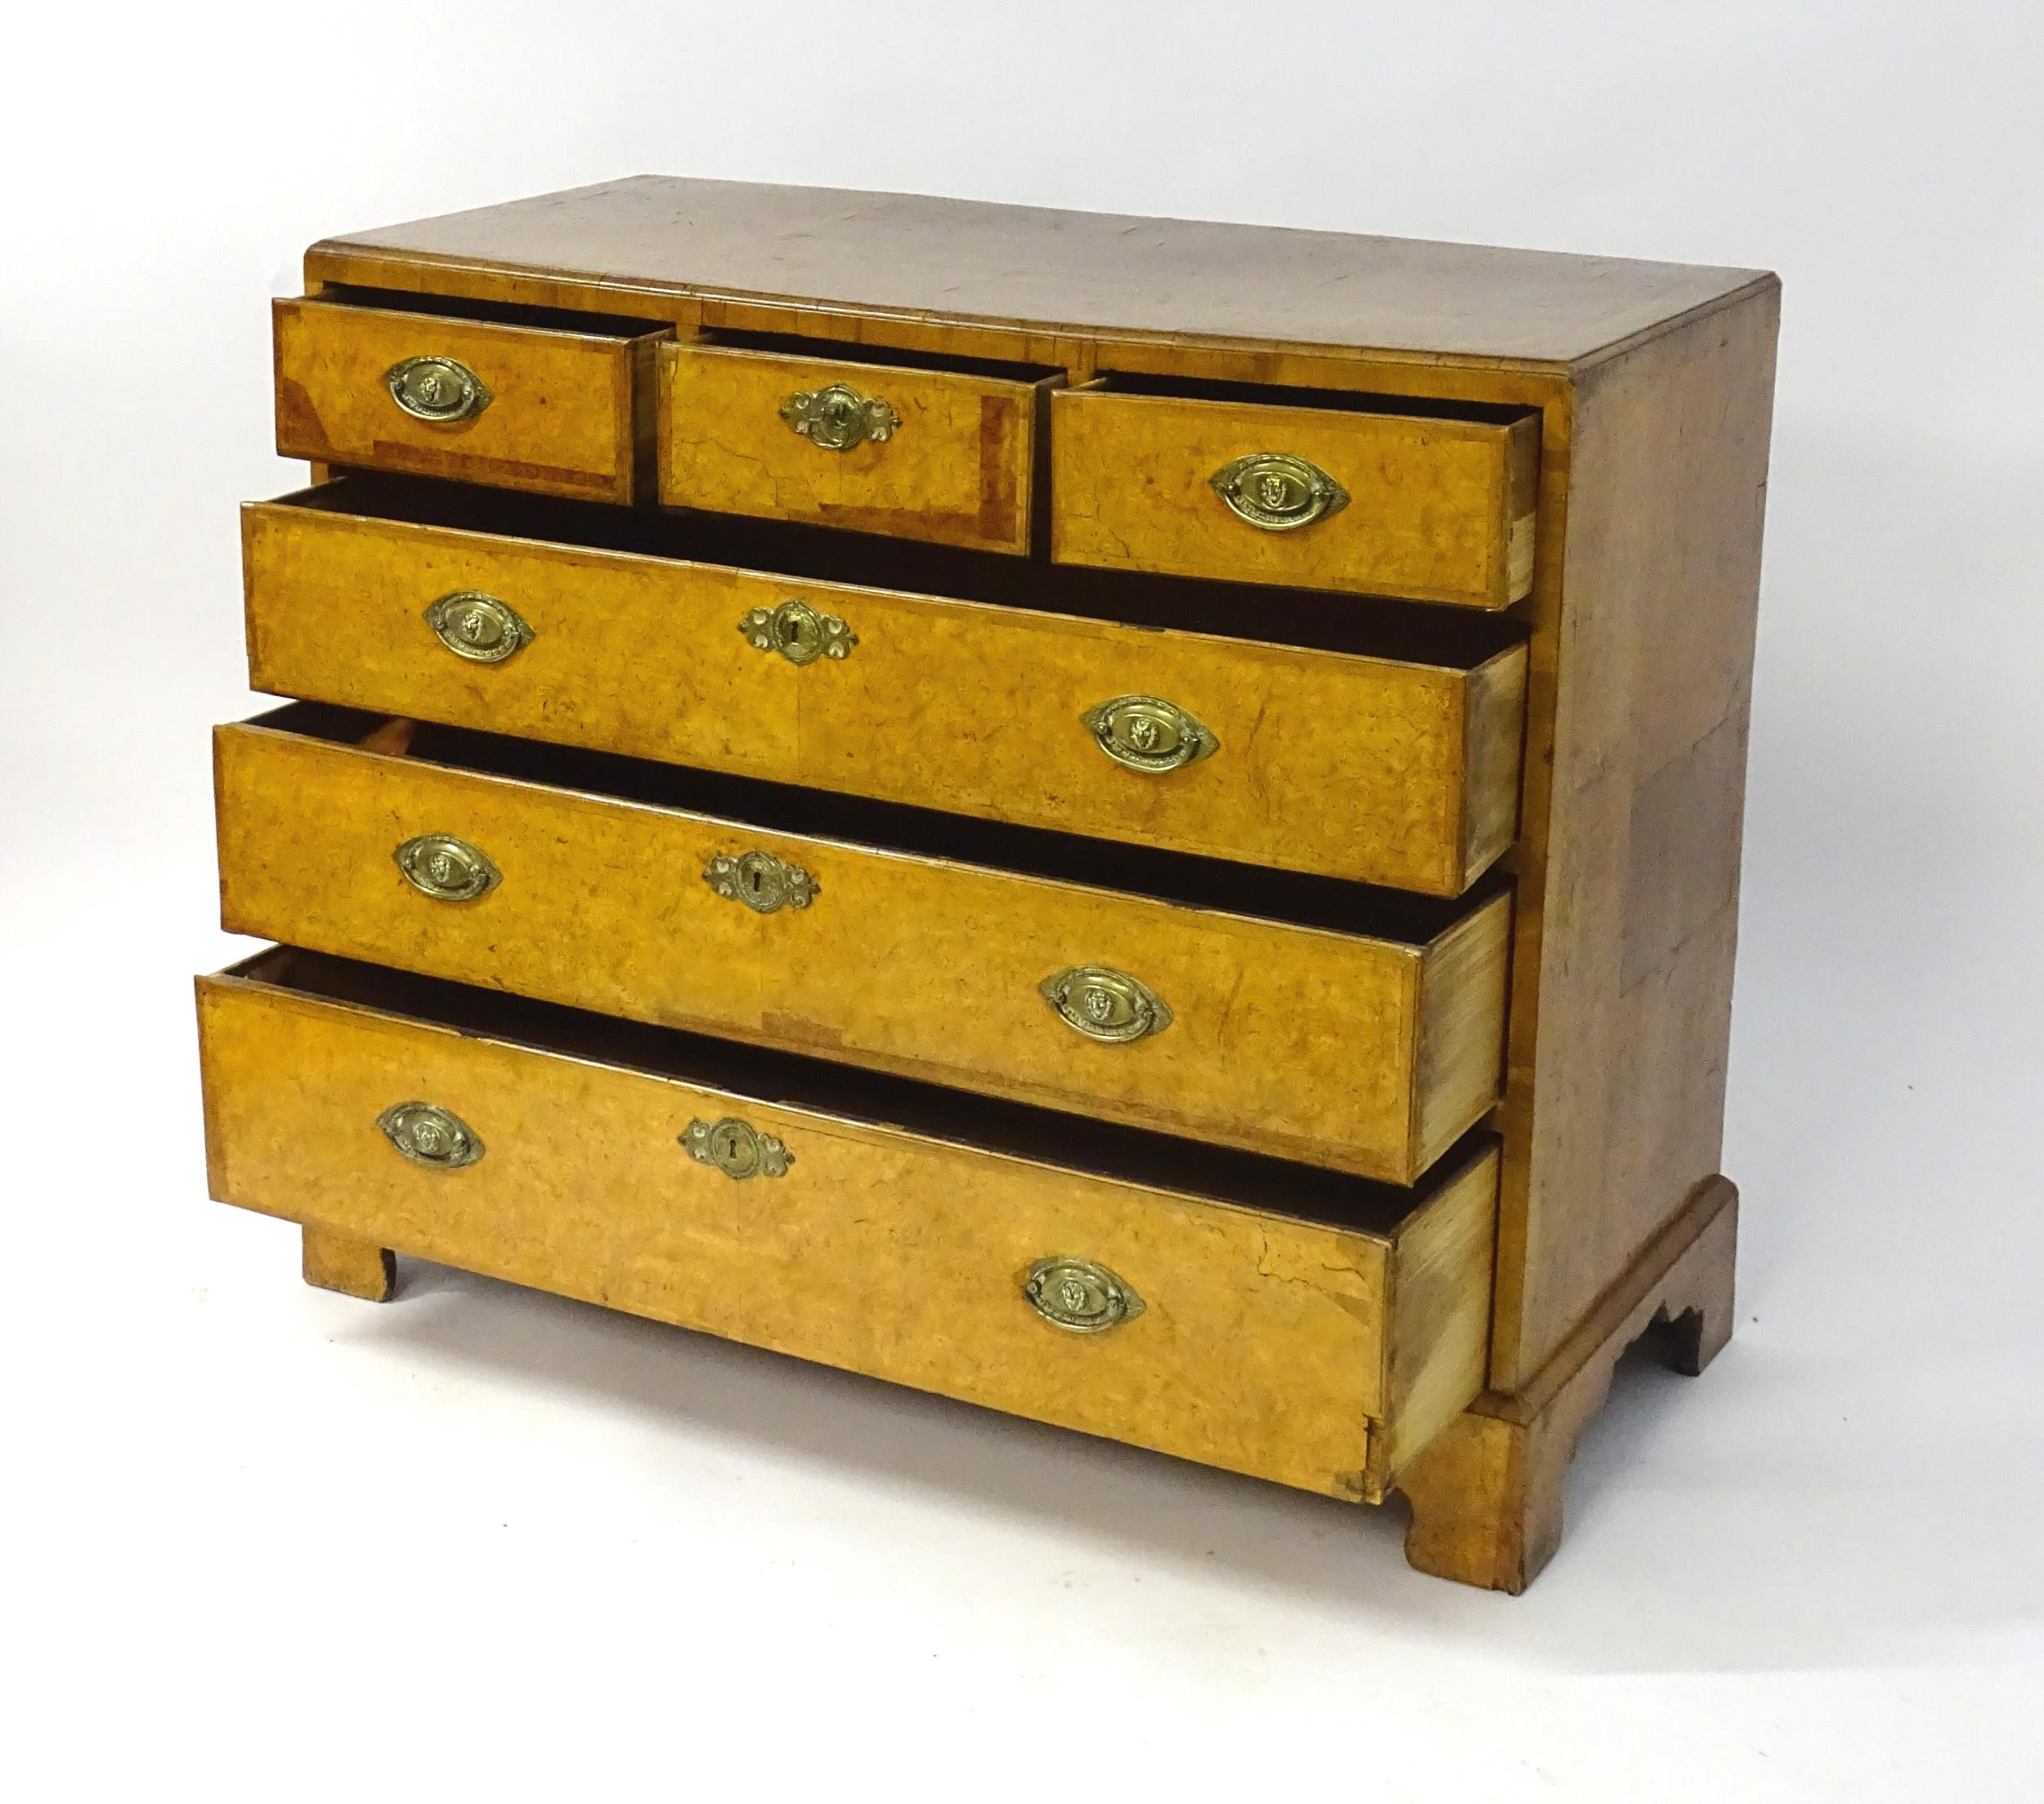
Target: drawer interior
x=1329, y=903
x=877, y=356
x=761, y=1075
x=1411, y=632
x=456, y=307
x=1258, y=394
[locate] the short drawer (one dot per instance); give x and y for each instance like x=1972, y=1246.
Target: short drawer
x=943, y=454
x=1299, y=1326
x=1347, y=1029
x=1390, y=770
x=1339, y=496
x=557, y=412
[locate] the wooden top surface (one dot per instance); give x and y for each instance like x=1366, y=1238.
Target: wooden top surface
x=1053, y=272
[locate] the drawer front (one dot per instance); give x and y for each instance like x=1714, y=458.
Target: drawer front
x=1270, y=1345
x=1430, y=509
x=1365, y=1055
x=1397, y=774
x=557, y=412
x=915, y=454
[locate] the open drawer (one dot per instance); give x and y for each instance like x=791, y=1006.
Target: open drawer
x=559, y=403
x=1296, y=1326
x=1372, y=495
x=943, y=449
x=908, y=673
x=1357, y=1030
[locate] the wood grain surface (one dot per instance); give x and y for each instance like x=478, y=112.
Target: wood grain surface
x=1379, y=769
x=1439, y=509
x=1628, y=918
x=823, y=254
x=561, y=420
x=1265, y=1345
x=958, y=469
x=1487, y=1493
x=1291, y=1040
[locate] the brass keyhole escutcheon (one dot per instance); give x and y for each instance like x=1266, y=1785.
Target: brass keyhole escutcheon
x=736, y=1148
x=800, y=633
x=839, y=418
x=762, y=882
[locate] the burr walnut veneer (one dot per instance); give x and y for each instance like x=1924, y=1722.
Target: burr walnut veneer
x=1132, y=821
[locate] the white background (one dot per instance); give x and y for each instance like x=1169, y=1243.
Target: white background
x=266, y=1543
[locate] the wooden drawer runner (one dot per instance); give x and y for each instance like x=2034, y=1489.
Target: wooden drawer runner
x=1380, y=769
x=1290, y=1324
x=940, y=455
x=1383, y=502
x=561, y=412
x=1369, y=1055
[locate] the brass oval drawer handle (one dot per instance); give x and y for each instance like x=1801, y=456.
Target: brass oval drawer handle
x=1147, y=733
x=1278, y=491
x=762, y=882
x=478, y=627
x=1104, y=1004
x=431, y=1136
x=799, y=632
x=447, y=868
x=840, y=417
x=436, y=389
x=736, y=1148
x=1077, y=1294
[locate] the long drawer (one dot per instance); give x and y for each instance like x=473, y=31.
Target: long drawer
x=1102, y=979
x=1394, y=769
x=1302, y=1327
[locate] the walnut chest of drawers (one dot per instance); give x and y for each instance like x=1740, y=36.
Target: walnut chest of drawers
x=1131, y=821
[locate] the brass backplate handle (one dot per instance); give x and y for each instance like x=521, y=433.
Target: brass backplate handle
x=736, y=1148
x=436, y=389
x=1104, y=1004
x=800, y=633
x=1277, y=491
x=447, y=868
x=429, y=1135
x=762, y=882
x=478, y=627
x=839, y=418
x=1147, y=733
x=1079, y=1295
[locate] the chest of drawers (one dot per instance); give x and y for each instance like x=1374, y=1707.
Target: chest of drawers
x=1134, y=821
